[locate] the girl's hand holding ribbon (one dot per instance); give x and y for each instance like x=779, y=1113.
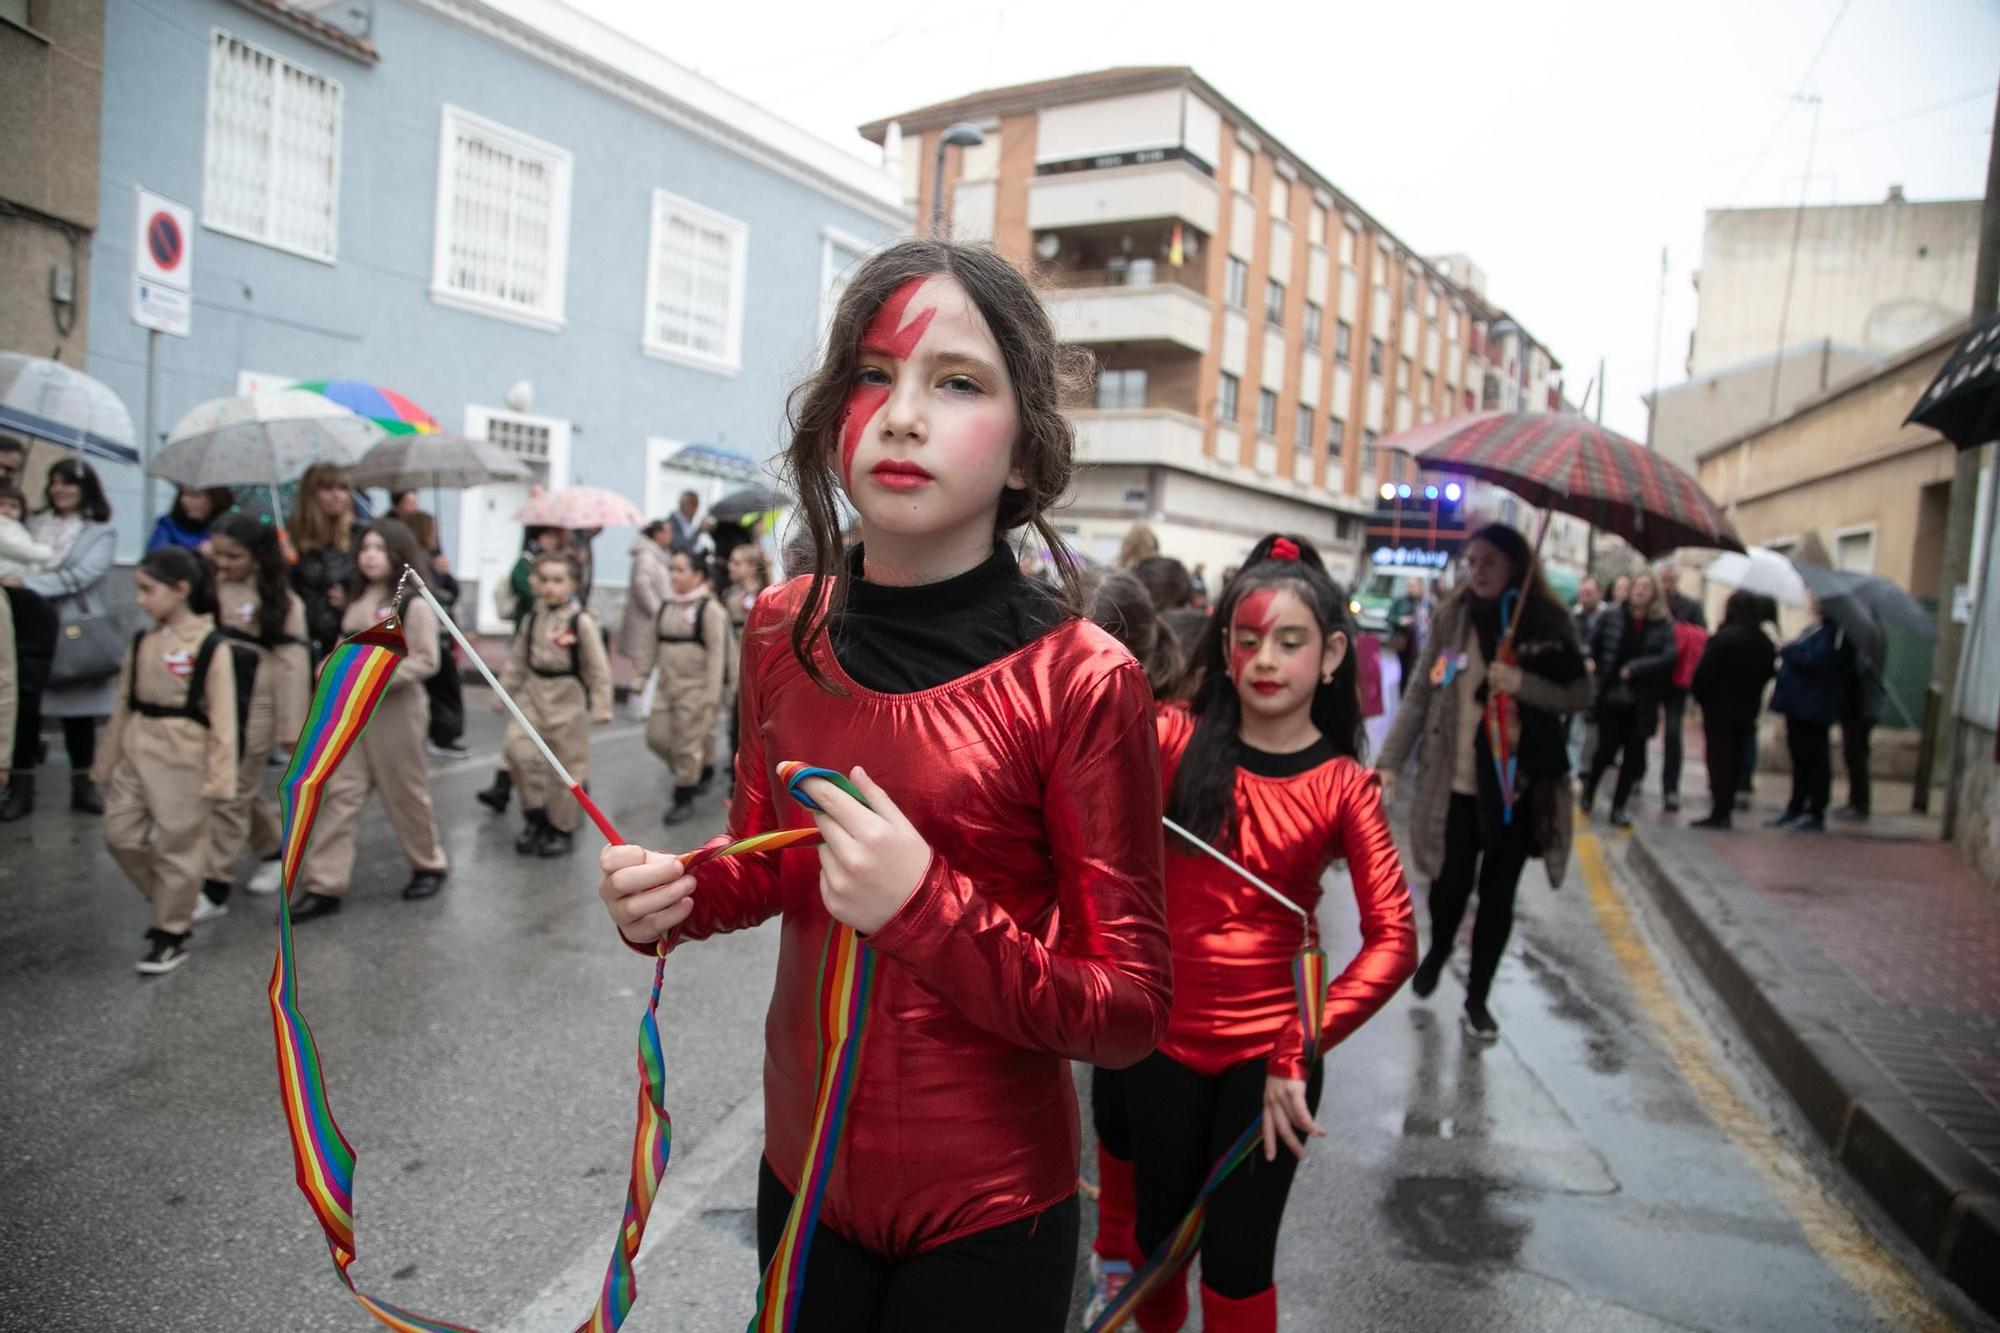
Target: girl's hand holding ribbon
x=872, y=859
x=647, y=893
x=1287, y=1117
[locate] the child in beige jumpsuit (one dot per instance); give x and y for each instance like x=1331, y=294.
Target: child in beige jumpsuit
x=169, y=751
x=256, y=607
x=389, y=758
x=690, y=644
x=560, y=675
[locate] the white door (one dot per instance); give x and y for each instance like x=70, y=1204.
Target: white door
x=489, y=536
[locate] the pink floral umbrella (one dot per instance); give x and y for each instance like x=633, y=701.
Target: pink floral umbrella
x=575, y=507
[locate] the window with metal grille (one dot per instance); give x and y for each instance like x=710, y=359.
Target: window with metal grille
x=694, y=285
x=502, y=245
x=525, y=440
x=271, y=158
x=1343, y=341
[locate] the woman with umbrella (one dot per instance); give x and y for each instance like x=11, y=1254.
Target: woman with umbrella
x=322, y=531
x=195, y=510
x=1470, y=829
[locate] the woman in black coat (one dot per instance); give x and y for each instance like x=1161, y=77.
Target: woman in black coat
x=1634, y=652
x=1729, y=685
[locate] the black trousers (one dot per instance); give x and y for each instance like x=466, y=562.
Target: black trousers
x=1111, y=1111
x=1494, y=872
x=1854, y=734
x=1014, y=1278
x=1675, y=706
x=447, y=693
x=1187, y=1121
x=1619, y=731
x=1725, y=743
x=1812, y=766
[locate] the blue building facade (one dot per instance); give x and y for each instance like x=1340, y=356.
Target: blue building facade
x=479, y=203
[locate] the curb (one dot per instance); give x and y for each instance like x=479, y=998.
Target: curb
x=1942, y=1197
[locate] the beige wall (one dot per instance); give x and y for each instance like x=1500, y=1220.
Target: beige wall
x=1689, y=418
x=1846, y=463
x=1877, y=276
x=50, y=83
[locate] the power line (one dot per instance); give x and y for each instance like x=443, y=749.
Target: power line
x=1797, y=93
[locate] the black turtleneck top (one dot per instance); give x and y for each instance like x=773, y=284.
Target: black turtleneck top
x=899, y=640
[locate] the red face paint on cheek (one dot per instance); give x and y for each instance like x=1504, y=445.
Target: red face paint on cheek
x=887, y=335
x=1254, y=614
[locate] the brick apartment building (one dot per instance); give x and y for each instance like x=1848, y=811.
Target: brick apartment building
x=1255, y=329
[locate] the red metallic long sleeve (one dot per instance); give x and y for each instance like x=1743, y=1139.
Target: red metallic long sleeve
x=1233, y=946
x=1036, y=935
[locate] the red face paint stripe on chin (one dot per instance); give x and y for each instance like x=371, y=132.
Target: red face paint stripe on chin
x=888, y=336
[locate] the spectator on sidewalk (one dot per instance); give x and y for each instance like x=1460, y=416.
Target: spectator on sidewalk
x=1729, y=685
x=1589, y=609
x=1690, y=636
x=1621, y=588
x=322, y=530
x=76, y=525
x=446, y=690
x=1860, y=709
x=1810, y=688
x=186, y=523
x=1634, y=653
x=686, y=525
x=1138, y=544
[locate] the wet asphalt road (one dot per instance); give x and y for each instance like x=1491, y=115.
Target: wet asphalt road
x=479, y=1051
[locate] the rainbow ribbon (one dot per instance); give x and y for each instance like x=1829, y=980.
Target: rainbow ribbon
x=1503, y=719
x=1166, y=1262
x=350, y=686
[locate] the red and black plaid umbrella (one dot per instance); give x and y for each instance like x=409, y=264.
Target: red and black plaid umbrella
x=1560, y=461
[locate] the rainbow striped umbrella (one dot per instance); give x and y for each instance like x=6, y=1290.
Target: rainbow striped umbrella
x=385, y=407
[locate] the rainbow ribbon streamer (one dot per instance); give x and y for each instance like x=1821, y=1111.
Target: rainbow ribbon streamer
x=1166, y=1262
x=350, y=686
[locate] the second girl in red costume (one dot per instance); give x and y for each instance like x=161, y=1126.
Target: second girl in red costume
x=1262, y=766
x=1006, y=872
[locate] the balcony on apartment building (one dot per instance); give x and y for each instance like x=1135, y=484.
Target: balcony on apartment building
x=1117, y=286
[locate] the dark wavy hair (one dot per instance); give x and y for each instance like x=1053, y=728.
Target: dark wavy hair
x=1203, y=797
x=92, y=504
x=177, y=564
x=1040, y=368
x=259, y=537
x=1542, y=613
x=1117, y=602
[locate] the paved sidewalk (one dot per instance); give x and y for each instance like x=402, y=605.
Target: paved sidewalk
x=1864, y=966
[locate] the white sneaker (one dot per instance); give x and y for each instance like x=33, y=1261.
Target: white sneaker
x=269, y=877
x=207, y=909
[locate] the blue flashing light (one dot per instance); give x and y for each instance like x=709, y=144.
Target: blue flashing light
x=1404, y=490
x=1430, y=492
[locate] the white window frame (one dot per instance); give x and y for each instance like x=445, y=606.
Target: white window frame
x=830, y=237
x=731, y=361
x=471, y=519
x=550, y=315
x=207, y=147
x=1856, y=530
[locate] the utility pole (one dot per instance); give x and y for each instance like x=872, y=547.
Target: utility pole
x=1940, y=701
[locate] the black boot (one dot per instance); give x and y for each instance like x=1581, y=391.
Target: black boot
x=705, y=781
x=494, y=798
x=554, y=841
x=1428, y=971
x=1589, y=796
x=20, y=799
x=84, y=795
x=530, y=836
x=683, y=806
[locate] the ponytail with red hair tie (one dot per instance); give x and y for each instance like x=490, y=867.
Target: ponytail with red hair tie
x=1284, y=548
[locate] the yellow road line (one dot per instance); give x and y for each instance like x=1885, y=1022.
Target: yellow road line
x=1896, y=1296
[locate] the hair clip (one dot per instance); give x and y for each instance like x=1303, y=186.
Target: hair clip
x=1284, y=548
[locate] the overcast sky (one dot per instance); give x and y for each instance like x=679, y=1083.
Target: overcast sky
x=1560, y=143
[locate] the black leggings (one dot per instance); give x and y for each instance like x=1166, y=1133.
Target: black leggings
x=1110, y=1112
x=1013, y=1278
x=1189, y=1121
x=1620, y=729
x=1494, y=871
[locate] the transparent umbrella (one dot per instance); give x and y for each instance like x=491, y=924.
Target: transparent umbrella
x=48, y=400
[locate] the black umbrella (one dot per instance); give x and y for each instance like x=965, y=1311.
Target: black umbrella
x=1963, y=401
x=737, y=505
x=1861, y=604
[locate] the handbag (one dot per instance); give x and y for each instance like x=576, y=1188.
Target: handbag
x=89, y=645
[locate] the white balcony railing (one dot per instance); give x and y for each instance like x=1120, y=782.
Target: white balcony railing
x=1123, y=194
x=1162, y=312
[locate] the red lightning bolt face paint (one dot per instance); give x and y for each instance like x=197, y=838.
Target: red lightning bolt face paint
x=1255, y=614
x=887, y=335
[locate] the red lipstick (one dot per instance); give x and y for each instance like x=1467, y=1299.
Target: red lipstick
x=1267, y=686
x=897, y=474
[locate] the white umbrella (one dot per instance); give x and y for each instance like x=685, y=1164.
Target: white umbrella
x=49, y=401
x=1759, y=570
x=405, y=462
x=262, y=439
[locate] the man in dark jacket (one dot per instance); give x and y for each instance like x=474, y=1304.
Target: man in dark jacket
x=1860, y=709
x=1729, y=685
x=1685, y=611
x=1810, y=688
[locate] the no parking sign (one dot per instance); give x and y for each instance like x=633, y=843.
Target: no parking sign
x=163, y=264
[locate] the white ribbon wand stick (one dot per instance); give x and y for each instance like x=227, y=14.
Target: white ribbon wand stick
x=1234, y=866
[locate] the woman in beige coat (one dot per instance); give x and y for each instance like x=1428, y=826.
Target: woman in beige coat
x=690, y=645
x=389, y=758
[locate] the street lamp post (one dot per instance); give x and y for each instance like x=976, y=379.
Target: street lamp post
x=961, y=135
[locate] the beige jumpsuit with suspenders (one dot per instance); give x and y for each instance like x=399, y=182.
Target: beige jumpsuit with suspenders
x=690, y=645
x=167, y=759
x=388, y=759
x=278, y=704
x=559, y=673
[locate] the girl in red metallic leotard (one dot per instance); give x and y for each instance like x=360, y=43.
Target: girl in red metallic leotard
x=1006, y=871
x=1261, y=765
